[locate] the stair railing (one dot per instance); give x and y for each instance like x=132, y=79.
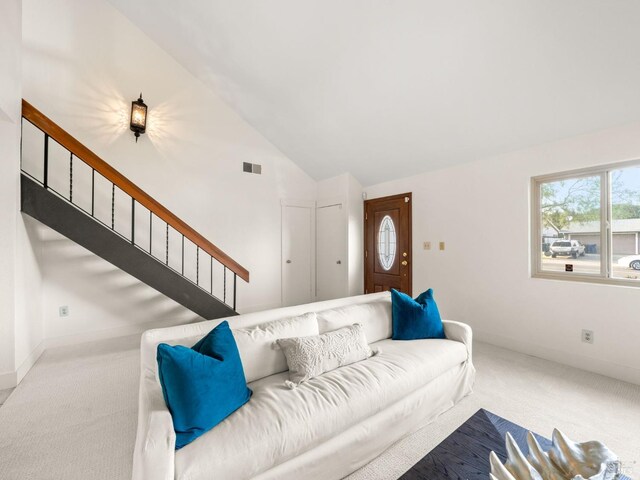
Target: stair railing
x=138, y=198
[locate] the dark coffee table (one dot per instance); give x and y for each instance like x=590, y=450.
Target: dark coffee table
x=464, y=455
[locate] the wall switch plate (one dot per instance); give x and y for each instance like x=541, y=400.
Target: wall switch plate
x=63, y=311
x=441, y=245
x=587, y=336
x=426, y=245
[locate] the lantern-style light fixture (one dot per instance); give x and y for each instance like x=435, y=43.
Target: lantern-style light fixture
x=138, y=117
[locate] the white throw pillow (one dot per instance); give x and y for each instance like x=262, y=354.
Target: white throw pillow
x=255, y=344
x=375, y=317
x=309, y=357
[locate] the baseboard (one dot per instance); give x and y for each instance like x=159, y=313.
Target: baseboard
x=125, y=330
x=12, y=379
x=583, y=362
x=29, y=362
x=8, y=380
x=91, y=336
x=259, y=308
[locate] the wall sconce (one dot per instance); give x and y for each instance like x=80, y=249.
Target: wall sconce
x=138, y=117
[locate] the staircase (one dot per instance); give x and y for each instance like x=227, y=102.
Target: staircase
x=67, y=187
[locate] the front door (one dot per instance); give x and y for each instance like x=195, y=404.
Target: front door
x=387, y=255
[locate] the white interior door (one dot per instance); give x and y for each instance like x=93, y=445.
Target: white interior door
x=331, y=260
x=297, y=254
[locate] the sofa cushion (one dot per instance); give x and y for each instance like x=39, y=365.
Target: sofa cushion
x=375, y=317
x=255, y=344
x=280, y=423
x=415, y=319
x=308, y=357
x=202, y=385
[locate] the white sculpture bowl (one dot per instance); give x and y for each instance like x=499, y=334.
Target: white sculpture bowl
x=566, y=460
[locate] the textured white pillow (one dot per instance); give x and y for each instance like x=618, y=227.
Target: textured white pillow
x=255, y=344
x=375, y=318
x=311, y=356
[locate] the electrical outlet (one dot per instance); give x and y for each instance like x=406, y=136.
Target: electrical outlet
x=426, y=245
x=63, y=311
x=441, y=245
x=587, y=336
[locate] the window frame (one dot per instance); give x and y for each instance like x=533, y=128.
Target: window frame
x=606, y=234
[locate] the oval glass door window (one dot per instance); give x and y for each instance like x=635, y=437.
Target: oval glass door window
x=387, y=242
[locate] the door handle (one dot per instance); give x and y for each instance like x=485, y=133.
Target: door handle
x=288, y=261
x=339, y=262
x=405, y=263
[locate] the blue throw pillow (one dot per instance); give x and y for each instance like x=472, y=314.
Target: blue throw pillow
x=415, y=319
x=202, y=385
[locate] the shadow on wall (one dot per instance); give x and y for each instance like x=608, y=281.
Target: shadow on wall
x=105, y=110
x=99, y=295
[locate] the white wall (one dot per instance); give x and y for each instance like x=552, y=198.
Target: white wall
x=355, y=205
x=21, y=328
x=83, y=63
x=29, y=329
x=10, y=86
x=8, y=251
x=481, y=211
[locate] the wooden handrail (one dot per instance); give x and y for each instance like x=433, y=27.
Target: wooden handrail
x=54, y=131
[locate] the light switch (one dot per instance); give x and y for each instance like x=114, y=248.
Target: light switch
x=441, y=245
x=426, y=245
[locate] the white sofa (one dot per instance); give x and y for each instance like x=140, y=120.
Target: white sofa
x=324, y=429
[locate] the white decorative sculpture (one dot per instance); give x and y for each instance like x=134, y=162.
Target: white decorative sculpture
x=566, y=460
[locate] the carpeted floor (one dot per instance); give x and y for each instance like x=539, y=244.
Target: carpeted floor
x=74, y=415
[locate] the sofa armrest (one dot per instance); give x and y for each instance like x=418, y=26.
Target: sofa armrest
x=459, y=332
x=154, y=452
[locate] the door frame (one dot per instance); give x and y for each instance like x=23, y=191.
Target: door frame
x=409, y=243
x=311, y=205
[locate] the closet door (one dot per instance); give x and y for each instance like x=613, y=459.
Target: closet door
x=297, y=253
x=331, y=259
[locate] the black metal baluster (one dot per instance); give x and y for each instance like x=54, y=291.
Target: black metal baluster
x=45, y=182
x=197, y=265
x=71, y=177
x=150, y=231
x=167, y=247
x=113, y=206
x=182, y=255
x=21, y=137
x=235, y=277
x=93, y=190
x=224, y=285
x=211, y=270
x=133, y=221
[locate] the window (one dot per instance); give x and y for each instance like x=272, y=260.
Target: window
x=586, y=225
x=387, y=242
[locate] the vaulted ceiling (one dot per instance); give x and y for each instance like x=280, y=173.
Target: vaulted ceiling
x=385, y=89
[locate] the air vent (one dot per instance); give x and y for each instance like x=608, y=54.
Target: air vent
x=251, y=168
